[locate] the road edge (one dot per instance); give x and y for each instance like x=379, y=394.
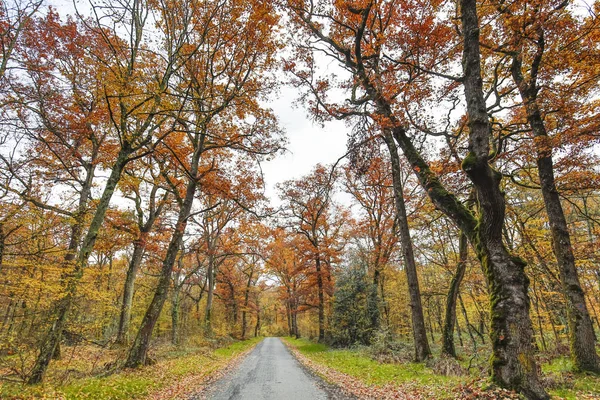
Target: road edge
x=323, y=375
x=197, y=386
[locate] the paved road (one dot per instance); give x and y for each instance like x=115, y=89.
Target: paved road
x=269, y=372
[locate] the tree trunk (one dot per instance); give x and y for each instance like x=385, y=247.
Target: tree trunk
x=175, y=299
x=139, y=350
x=288, y=314
x=581, y=331
x=373, y=302
x=134, y=264
x=80, y=261
x=210, y=273
x=295, y=330
x=513, y=363
x=321, y=299
x=246, y=302
x=257, y=326
x=450, y=317
x=2, y=244
x=422, y=350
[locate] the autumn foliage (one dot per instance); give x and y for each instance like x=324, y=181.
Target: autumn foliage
x=462, y=220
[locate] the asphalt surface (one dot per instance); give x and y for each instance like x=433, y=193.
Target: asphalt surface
x=269, y=372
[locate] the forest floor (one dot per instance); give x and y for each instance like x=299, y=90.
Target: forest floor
x=367, y=374
x=87, y=372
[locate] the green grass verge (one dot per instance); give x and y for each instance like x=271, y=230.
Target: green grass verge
x=561, y=381
x=360, y=365
x=132, y=384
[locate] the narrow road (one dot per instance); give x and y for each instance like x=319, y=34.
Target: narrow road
x=269, y=372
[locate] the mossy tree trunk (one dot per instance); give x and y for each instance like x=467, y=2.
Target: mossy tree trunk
x=450, y=315
x=513, y=363
x=581, y=331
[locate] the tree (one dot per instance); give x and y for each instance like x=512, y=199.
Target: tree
x=218, y=87
x=145, y=221
x=350, y=320
x=371, y=189
x=528, y=42
x=133, y=107
x=314, y=216
x=357, y=38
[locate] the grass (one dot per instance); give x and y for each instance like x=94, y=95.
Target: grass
x=561, y=382
x=360, y=365
x=134, y=384
x=568, y=385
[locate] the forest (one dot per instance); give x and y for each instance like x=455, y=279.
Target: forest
x=458, y=231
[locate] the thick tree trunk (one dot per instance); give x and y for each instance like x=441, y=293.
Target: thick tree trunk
x=581, y=331
x=513, y=363
x=422, y=350
x=450, y=317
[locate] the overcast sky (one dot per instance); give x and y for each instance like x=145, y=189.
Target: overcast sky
x=309, y=143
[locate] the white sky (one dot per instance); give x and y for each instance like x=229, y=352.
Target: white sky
x=308, y=145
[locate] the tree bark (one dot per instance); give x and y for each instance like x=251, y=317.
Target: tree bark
x=288, y=314
x=139, y=351
x=373, y=301
x=513, y=363
x=422, y=350
x=450, y=316
x=246, y=302
x=175, y=299
x=581, y=331
x=134, y=264
x=210, y=273
x=2, y=244
x=257, y=326
x=321, y=299
x=295, y=330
